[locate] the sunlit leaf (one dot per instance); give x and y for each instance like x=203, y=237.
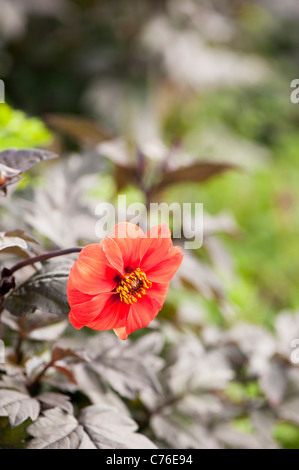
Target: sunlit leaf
x=52, y=400
x=8, y=241
x=18, y=407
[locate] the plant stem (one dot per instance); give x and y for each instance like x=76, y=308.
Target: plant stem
x=44, y=257
x=31, y=385
x=1, y=311
x=18, y=351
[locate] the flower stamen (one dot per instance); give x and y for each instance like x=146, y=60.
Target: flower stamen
x=133, y=286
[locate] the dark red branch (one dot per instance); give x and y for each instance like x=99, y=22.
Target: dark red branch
x=44, y=257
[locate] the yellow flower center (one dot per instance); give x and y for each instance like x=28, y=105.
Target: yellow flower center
x=133, y=286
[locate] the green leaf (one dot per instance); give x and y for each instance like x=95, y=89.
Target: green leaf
x=287, y=435
x=17, y=130
x=13, y=438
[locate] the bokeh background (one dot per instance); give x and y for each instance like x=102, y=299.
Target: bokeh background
x=128, y=91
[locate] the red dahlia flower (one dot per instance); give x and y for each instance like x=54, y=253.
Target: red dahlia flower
x=122, y=282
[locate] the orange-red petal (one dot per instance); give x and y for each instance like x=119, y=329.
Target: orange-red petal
x=92, y=273
x=159, y=258
x=127, y=230
x=85, y=312
x=164, y=270
x=93, y=278
x=74, y=295
x=121, y=333
x=113, y=254
x=158, y=291
x=113, y=315
x=155, y=246
x=159, y=231
x=128, y=238
x=74, y=321
x=142, y=313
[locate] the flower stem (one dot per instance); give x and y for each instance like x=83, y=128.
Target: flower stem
x=1, y=311
x=32, y=385
x=18, y=351
x=44, y=257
